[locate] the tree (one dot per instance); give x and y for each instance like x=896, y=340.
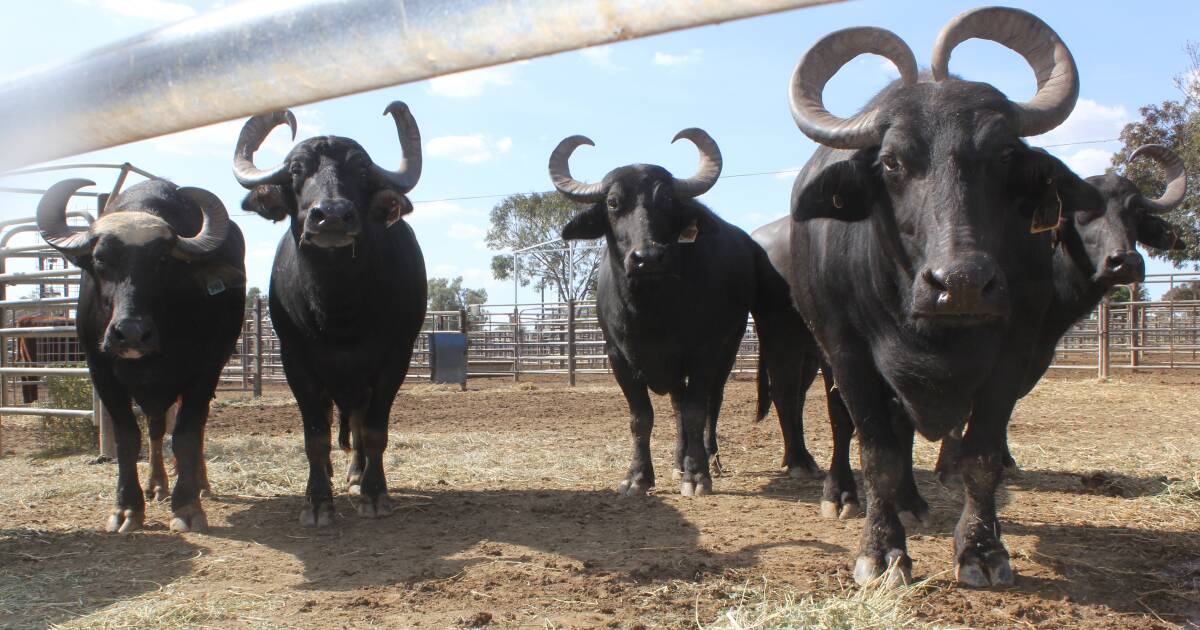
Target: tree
x=251, y=294
x=522, y=221
x=1175, y=124
x=1183, y=292
x=1120, y=293
x=449, y=295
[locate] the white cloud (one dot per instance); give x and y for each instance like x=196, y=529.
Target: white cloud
x=466, y=231
x=1088, y=162
x=219, y=140
x=471, y=275
x=668, y=59
x=470, y=149
x=471, y=83
x=601, y=57
x=152, y=10
x=427, y=211
x=1089, y=121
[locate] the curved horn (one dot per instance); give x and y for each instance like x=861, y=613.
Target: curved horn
x=821, y=62
x=253, y=133
x=213, y=231
x=409, y=173
x=560, y=171
x=710, y=163
x=1172, y=166
x=1025, y=33
x=52, y=218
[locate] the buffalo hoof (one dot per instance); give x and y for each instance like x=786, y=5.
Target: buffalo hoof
x=989, y=569
x=156, y=491
x=845, y=509
x=320, y=516
x=634, y=488
x=891, y=569
x=189, y=518
x=805, y=472
x=125, y=521
x=914, y=518
x=697, y=486
x=378, y=507
x=354, y=490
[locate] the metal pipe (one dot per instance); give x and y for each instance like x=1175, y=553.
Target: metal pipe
x=250, y=58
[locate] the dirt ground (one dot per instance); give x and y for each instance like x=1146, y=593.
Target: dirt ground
x=507, y=517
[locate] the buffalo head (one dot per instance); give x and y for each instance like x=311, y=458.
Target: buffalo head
x=130, y=250
x=1123, y=216
x=328, y=185
x=939, y=164
x=641, y=209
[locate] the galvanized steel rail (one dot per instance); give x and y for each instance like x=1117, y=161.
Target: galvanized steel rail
x=258, y=57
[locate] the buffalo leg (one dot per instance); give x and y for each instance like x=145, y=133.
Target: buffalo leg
x=156, y=485
x=129, y=514
x=715, y=398
x=693, y=411
x=315, y=407
x=640, y=477
x=792, y=384
x=680, y=435
x=980, y=556
x=948, y=454
x=187, y=442
x=372, y=500
x=839, y=496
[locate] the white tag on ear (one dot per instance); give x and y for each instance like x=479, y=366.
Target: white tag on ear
x=215, y=285
x=689, y=234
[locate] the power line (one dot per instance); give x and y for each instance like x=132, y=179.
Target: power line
x=733, y=176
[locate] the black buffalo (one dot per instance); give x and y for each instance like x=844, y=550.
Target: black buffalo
x=674, y=289
x=160, y=309
x=913, y=263
x=347, y=294
x=1094, y=251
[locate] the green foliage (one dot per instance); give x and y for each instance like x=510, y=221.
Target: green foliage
x=521, y=221
x=1175, y=124
x=1121, y=293
x=1183, y=292
x=450, y=295
x=63, y=435
x=251, y=293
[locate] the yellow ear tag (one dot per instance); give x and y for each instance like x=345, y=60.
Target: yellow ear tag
x=689, y=234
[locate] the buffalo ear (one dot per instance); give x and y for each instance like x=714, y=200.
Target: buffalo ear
x=587, y=225
x=1155, y=232
x=388, y=205
x=843, y=190
x=270, y=202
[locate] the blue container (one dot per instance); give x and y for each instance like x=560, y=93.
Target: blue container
x=448, y=357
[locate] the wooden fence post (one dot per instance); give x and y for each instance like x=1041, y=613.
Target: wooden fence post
x=258, y=346
x=571, y=343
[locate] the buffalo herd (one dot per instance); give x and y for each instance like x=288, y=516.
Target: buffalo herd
x=928, y=264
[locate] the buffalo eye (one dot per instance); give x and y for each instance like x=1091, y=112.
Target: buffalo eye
x=889, y=162
x=613, y=203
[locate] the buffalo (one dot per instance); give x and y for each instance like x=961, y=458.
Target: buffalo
x=914, y=266
x=347, y=295
x=160, y=309
x=673, y=291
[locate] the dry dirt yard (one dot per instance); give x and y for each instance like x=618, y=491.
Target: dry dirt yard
x=506, y=517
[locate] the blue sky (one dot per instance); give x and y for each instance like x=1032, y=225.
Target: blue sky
x=489, y=132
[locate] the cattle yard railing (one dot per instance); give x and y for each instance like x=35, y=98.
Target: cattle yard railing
x=564, y=340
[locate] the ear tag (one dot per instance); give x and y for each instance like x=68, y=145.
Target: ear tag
x=1041, y=221
x=215, y=285
x=689, y=233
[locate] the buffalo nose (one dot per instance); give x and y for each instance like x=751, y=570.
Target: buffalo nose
x=1125, y=265
x=648, y=258
x=332, y=214
x=971, y=286
x=133, y=334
